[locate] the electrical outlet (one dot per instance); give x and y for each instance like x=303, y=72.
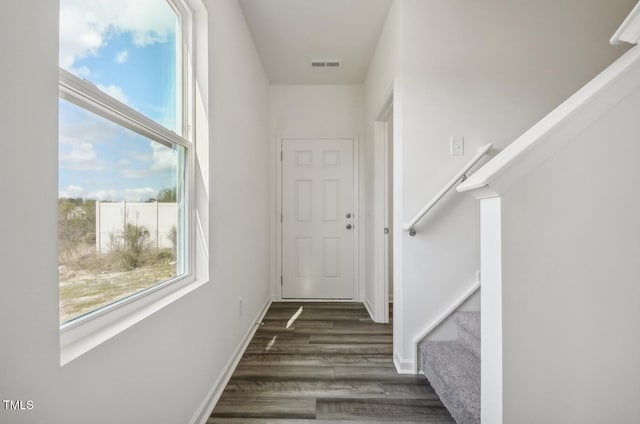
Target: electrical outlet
x=456, y=145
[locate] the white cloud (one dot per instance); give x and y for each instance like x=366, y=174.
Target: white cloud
x=140, y=156
x=141, y=194
x=82, y=152
x=150, y=21
x=133, y=174
x=86, y=25
x=114, y=91
x=78, y=142
x=71, y=192
x=81, y=72
x=88, y=129
x=122, y=56
x=127, y=195
x=80, y=33
x=82, y=157
x=164, y=158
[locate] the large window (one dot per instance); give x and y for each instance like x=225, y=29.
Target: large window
x=124, y=150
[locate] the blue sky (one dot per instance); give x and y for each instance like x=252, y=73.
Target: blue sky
x=127, y=49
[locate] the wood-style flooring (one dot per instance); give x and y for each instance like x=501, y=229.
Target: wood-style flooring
x=324, y=363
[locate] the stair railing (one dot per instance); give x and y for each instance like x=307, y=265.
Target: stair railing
x=459, y=177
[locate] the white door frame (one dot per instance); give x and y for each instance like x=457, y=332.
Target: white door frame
x=357, y=222
x=379, y=307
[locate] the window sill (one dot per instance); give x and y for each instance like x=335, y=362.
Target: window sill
x=80, y=336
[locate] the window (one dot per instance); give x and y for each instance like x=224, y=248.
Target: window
x=124, y=153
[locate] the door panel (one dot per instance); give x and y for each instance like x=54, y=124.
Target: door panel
x=317, y=196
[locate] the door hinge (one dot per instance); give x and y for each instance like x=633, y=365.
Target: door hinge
x=281, y=281
x=281, y=218
x=281, y=155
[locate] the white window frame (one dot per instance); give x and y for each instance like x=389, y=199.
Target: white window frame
x=87, y=331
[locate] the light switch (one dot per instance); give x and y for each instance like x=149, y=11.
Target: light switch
x=456, y=146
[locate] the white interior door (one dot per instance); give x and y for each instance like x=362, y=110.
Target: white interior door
x=317, y=219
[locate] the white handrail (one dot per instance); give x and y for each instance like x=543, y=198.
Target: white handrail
x=483, y=150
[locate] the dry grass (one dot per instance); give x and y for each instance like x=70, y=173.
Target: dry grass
x=91, y=281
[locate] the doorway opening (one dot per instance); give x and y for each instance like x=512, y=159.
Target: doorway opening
x=379, y=294
x=388, y=208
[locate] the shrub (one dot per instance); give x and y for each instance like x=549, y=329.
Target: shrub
x=134, y=242
x=173, y=237
x=76, y=228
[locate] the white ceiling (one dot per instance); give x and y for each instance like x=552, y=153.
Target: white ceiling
x=289, y=34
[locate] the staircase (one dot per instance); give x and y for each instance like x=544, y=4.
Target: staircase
x=453, y=368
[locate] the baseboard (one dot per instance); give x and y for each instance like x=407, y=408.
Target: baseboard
x=403, y=366
x=202, y=414
x=318, y=300
x=367, y=305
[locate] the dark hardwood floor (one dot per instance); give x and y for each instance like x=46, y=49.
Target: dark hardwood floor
x=324, y=363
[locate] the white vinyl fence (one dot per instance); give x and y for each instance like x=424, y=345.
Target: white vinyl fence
x=112, y=219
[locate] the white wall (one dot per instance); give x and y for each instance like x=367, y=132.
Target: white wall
x=378, y=90
x=29, y=357
x=321, y=111
x=162, y=369
x=571, y=290
x=486, y=71
x=312, y=111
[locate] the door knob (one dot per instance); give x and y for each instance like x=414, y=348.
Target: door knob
x=349, y=226
x=348, y=215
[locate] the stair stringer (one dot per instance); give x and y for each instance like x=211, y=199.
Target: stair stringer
x=441, y=317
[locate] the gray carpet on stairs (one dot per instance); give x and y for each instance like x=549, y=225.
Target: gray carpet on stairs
x=469, y=330
x=453, y=369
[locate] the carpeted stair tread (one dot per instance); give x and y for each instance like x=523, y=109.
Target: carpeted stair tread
x=454, y=373
x=469, y=330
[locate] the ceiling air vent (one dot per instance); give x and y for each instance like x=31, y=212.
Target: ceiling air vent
x=325, y=64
